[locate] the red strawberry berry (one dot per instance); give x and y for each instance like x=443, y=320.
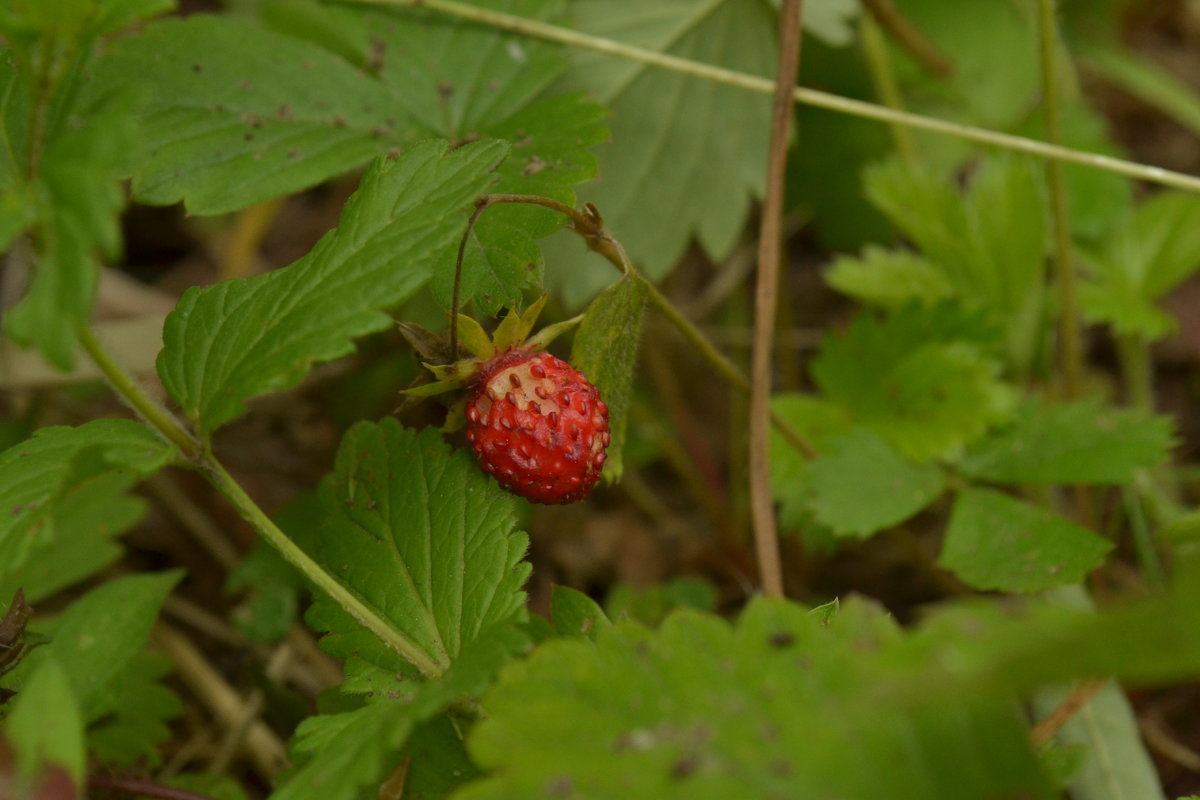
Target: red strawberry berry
x=538, y=426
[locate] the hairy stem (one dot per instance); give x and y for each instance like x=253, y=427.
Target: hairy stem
x=766, y=300
x=811, y=97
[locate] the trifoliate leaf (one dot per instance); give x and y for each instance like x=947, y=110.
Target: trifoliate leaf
x=654, y=204
x=63, y=495
x=131, y=720
x=919, y=378
x=861, y=486
x=576, y=614
x=888, y=278
x=424, y=538
x=994, y=541
x=227, y=343
x=606, y=349
x=45, y=725
x=1151, y=253
x=776, y=705
x=819, y=421
x=98, y=635
x=1073, y=443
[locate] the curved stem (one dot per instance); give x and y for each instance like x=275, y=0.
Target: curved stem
x=458, y=263
x=812, y=97
x=124, y=385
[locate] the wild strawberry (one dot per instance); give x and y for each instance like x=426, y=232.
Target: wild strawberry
x=538, y=426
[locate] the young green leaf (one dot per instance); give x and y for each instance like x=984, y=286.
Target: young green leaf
x=1151, y=253
x=424, y=538
x=653, y=203
x=819, y=420
x=889, y=278
x=861, y=486
x=131, y=720
x=45, y=725
x=994, y=541
x=64, y=487
x=605, y=350
x=97, y=636
x=227, y=343
x=576, y=614
x=1071, y=443
x=703, y=709
x=920, y=378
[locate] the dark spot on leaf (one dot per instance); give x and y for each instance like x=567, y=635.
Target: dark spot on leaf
x=378, y=133
x=533, y=166
x=445, y=89
x=562, y=786
x=197, y=67
x=684, y=767
x=339, y=121
x=781, y=767
x=293, y=153
x=244, y=85
x=781, y=639
x=285, y=113
x=18, y=509
x=249, y=137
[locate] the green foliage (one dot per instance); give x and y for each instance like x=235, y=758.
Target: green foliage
x=818, y=420
x=858, y=466
x=131, y=720
x=702, y=173
x=64, y=489
x=996, y=542
x=650, y=605
x=1075, y=443
x=1154, y=250
x=605, y=350
x=576, y=614
x=46, y=725
x=920, y=378
x=703, y=709
x=226, y=343
x=423, y=537
x=889, y=278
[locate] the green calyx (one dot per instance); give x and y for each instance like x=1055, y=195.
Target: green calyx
x=476, y=348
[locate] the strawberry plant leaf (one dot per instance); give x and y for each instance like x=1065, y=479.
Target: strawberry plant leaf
x=859, y=465
x=1155, y=250
x=651, y=699
x=227, y=343
x=994, y=541
x=1070, y=443
x=45, y=725
x=653, y=204
x=818, y=420
x=576, y=614
x=889, y=278
x=605, y=350
x=131, y=719
x=424, y=538
x=98, y=636
x=920, y=378
x=62, y=489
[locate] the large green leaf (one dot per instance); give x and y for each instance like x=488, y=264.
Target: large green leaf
x=45, y=725
x=688, y=154
x=64, y=492
x=994, y=541
x=861, y=486
x=605, y=350
x=226, y=343
x=1074, y=443
x=776, y=706
x=424, y=538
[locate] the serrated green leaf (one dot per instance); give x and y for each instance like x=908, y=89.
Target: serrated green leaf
x=64, y=487
x=1156, y=249
x=576, y=614
x=227, y=343
x=651, y=604
x=274, y=585
x=818, y=420
x=423, y=537
x=702, y=709
x=677, y=168
x=920, y=378
x=888, y=278
x=861, y=486
x=994, y=541
x=98, y=635
x=606, y=349
x=45, y=726
x=131, y=720
x=1074, y=443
